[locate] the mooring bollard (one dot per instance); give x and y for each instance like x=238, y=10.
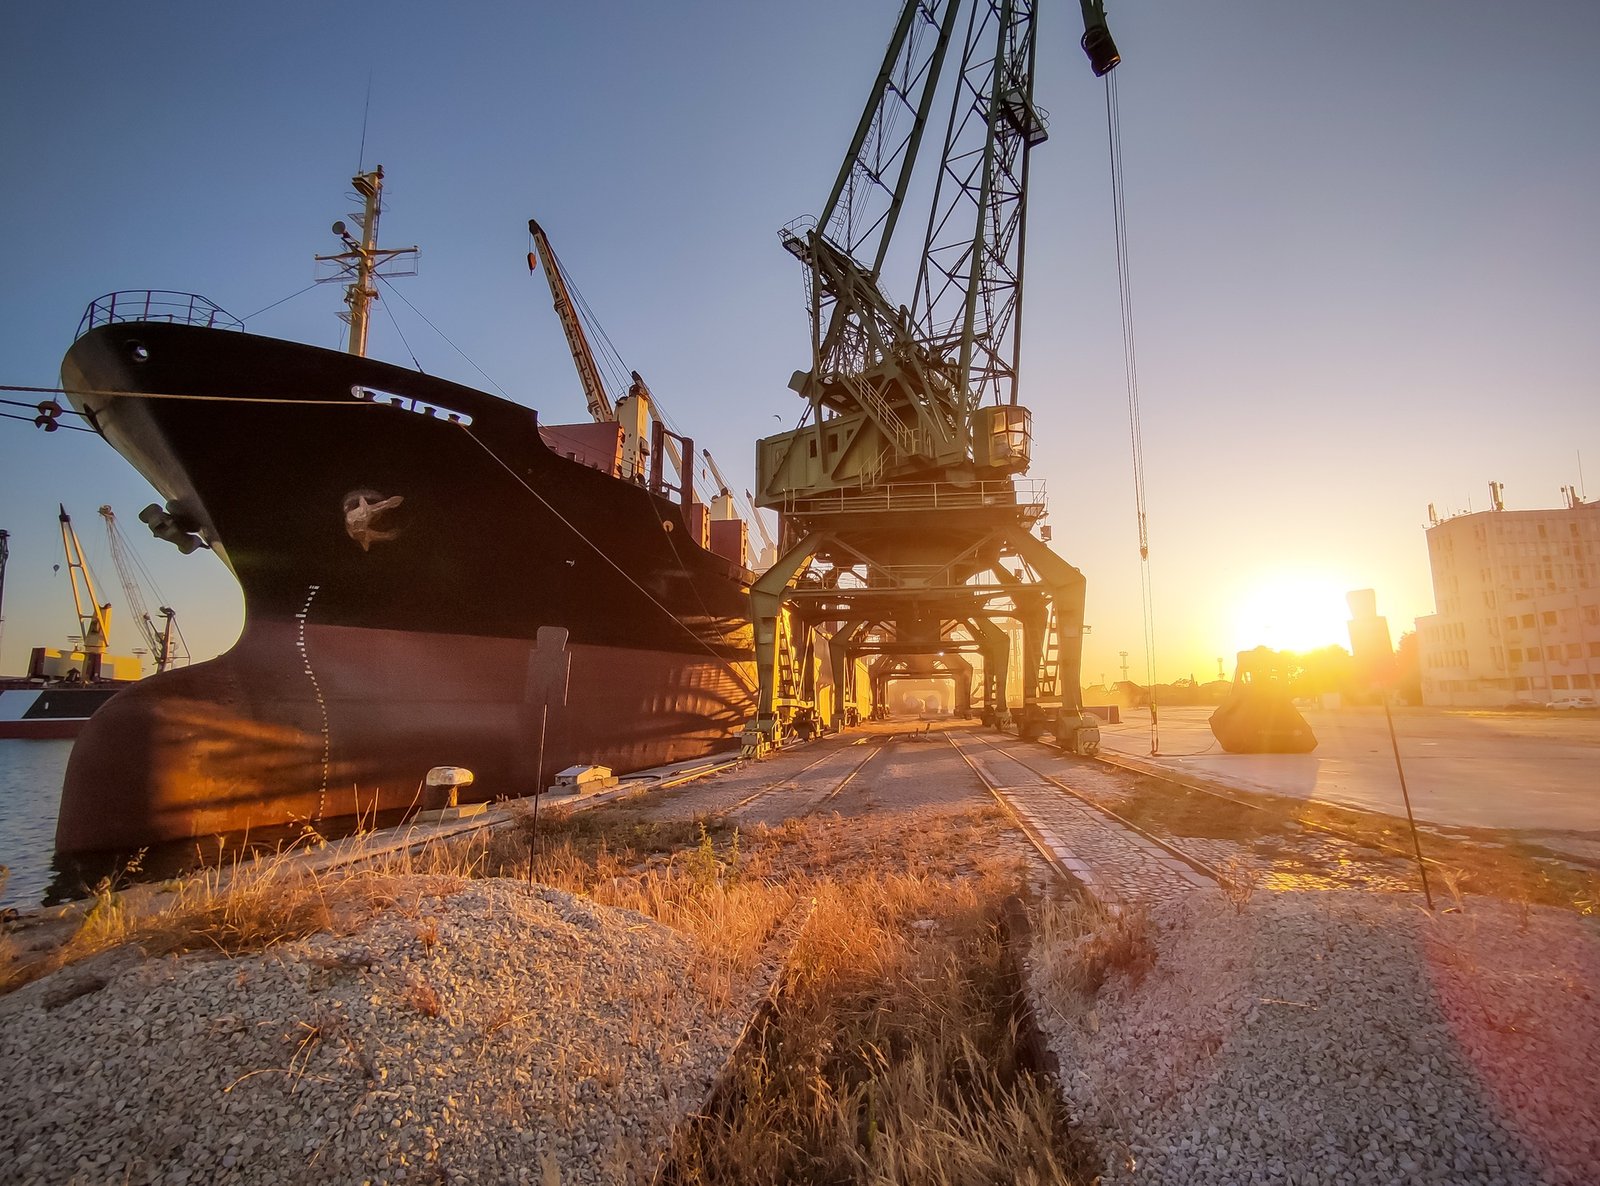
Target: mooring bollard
x=444, y=786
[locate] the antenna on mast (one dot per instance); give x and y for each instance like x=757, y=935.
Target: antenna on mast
x=364, y=262
x=366, y=109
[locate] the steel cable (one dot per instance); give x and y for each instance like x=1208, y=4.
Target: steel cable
x=1131, y=373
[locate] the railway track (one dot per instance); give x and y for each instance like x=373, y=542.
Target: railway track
x=1199, y=787
x=1113, y=859
x=822, y=787
x=1077, y=837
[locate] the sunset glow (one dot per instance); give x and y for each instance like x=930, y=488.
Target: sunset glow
x=1296, y=613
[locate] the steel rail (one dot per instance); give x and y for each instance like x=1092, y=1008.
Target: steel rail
x=788, y=780
x=1199, y=787
x=1201, y=866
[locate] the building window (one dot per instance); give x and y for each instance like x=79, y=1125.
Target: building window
x=1527, y=621
x=1574, y=650
x=1558, y=683
x=1516, y=656
x=1511, y=622
x=1521, y=683
x=1553, y=652
x=1594, y=650
x=1581, y=681
x=1549, y=615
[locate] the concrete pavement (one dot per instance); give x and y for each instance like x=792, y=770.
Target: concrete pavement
x=1529, y=773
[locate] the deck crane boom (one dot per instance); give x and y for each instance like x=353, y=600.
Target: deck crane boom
x=594, y=391
x=634, y=410
x=160, y=637
x=898, y=485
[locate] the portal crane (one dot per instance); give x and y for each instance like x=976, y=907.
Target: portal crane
x=160, y=637
x=94, y=626
x=897, y=487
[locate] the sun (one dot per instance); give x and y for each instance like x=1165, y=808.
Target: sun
x=1292, y=613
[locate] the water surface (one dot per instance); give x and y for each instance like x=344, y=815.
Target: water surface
x=30, y=794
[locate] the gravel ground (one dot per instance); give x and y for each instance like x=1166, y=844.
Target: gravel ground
x=482, y=1031
x=1341, y=1037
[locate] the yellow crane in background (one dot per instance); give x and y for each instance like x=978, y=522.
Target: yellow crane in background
x=159, y=638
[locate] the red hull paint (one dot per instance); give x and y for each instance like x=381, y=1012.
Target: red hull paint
x=42, y=730
x=271, y=734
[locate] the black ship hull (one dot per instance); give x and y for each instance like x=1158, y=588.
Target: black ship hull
x=400, y=541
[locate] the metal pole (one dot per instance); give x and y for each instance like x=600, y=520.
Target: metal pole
x=1416, y=843
x=538, y=789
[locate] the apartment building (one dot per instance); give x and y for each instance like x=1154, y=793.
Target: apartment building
x=1517, y=606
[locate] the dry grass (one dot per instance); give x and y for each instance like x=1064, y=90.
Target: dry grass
x=893, y=1052
x=1079, y=945
x=244, y=906
x=1240, y=877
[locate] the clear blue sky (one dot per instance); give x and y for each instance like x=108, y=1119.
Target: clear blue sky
x=1365, y=252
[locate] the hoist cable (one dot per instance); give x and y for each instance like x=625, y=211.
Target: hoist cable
x=280, y=301
x=387, y=308
x=1131, y=372
x=390, y=286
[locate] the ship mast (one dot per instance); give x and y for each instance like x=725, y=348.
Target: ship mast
x=363, y=262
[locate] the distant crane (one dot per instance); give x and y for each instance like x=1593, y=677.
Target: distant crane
x=160, y=638
x=5, y=553
x=94, y=626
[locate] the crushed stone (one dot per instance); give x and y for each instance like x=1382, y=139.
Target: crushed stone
x=1342, y=1038
x=497, y=1033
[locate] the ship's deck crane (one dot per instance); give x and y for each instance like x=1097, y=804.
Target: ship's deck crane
x=746, y=506
x=896, y=493
x=160, y=638
x=634, y=410
x=594, y=391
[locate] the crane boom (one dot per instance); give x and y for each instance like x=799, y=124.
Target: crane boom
x=726, y=488
x=94, y=626
x=159, y=637
x=582, y=356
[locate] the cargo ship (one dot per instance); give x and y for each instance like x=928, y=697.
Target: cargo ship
x=64, y=687
x=48, y=712
x=431, y=577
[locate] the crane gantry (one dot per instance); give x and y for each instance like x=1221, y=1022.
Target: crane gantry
x=904, y=533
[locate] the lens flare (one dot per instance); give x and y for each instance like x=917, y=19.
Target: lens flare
x=1292, y=613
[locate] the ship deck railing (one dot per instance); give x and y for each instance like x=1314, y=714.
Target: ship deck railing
x=153, y=304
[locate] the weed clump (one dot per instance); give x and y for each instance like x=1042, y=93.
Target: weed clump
x=1080, y=945
x=893, y=1051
